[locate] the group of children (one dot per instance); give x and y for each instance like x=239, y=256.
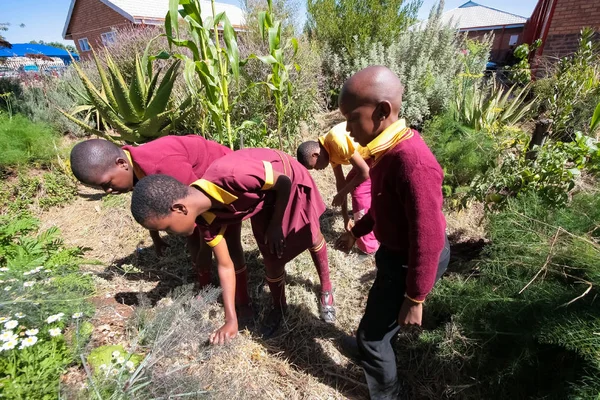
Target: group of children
x=189, y=186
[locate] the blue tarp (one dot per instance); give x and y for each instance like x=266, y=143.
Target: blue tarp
x=20, y=49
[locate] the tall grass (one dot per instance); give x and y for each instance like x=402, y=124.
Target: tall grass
x=24, y=142
x=527, y=310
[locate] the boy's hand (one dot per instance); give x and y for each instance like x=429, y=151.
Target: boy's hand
x=345, y=242
x=159, y=245
x=349, y=225
x=338, y=200
x=411, y=313
x=275, y=240
x=224, y=334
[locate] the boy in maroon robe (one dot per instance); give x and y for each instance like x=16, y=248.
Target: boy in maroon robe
x=405, y=214
x=267, y=186
x=104, y=165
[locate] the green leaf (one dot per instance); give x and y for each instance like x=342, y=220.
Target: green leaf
x=158, y=104
x=233, y=52
x=267, y=59
x=121, y=92
x=172, y=18
x=595, y=123
x=294, y=42
x=138, y=89
x=105, y=84
x=275, y=36
x=262, y=27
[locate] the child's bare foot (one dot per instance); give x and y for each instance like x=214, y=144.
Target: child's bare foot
x=272, y=322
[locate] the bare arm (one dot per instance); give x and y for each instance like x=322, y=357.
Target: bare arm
x=227, y=278
x=340, y=182
x=363, y=174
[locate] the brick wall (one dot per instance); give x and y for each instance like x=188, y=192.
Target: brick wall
x=568, y=19
x=500, y=45
x=90, y=19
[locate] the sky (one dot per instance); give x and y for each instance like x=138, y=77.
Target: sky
x=45, y=19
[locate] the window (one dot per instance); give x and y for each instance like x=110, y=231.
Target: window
x=108, y=38
x=513, y=40
x=84, y=45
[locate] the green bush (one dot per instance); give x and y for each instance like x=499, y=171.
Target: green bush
x=23, y=142
x=10, y=91
x=527, y=308
x=552, y=174
x=426, y=59
x=43, y=298
x=463, y=153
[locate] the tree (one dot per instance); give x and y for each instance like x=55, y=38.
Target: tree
x=343, y=23
x=68, y=47
x=4, y=27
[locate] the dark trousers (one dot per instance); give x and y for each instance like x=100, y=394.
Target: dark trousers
x=378, y=328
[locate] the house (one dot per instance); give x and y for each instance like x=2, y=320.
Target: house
x=27, y=57
x=558, y=23
x=93, y=22
x=477, y=21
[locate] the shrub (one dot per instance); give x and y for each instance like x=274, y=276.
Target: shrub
x=528, y=305
x=44, y=298
x=426, y=60
x=23, y=142
x=552, y=174
x=571, y=89
x=462, y=152
x=10, y=91
x=345, y=25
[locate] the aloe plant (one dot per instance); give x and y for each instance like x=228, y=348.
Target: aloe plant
x=138, y=112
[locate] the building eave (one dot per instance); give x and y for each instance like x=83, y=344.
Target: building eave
x=491, y=28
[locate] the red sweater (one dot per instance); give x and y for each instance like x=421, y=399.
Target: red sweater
x=185, y=158
x=406, y=211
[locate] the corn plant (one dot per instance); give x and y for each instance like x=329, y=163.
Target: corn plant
x=278, y=82
x=138, y=112
x=216, y=66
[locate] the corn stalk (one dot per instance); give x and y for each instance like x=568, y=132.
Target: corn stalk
x=138, y=112
x=215, y=65
x=278, y=82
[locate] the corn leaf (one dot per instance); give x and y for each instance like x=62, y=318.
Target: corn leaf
x=233, y=51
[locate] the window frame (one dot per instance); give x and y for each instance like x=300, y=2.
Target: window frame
x=108, y=38
x=87, y=44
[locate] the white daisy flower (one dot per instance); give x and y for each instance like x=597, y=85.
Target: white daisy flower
x=20, y=315
x=121, y=360
x=77, y=315
x=12, y=324
x=28, y=283
x=54, y=318
x=114, y=372
x=3, y=320
x=27, y=273
x=1, y=281
x=116, y=354
x=7, y=336
x=6, y=289
x=31, y=332
x=103, y=367
x=54, y=332
x=3, y=269
x=47, y=270
x=28, y=342
x=130, y=365
x=38, y=269
x=11, y=344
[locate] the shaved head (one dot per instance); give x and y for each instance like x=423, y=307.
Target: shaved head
x=373, y=85
x=370, y=101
